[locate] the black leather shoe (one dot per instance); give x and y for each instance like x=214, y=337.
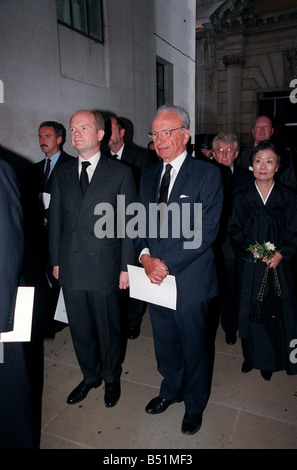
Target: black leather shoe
x=266, y=374
x=231, y=339
x=158, y=405
x=80, y=392
x=112, y=394
x=133, y=332
x=191, y=423
x=245, y=368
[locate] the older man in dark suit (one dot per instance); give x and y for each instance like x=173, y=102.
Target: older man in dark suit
x=180, y=335
x=225, y=149
x=89, y=261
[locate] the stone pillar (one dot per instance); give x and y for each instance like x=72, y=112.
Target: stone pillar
x=233, y=64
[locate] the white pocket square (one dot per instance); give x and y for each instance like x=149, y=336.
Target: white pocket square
x=183, y=196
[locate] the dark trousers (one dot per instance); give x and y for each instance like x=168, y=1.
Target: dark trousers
x=132, y=309
x=228, y=299
x=95, y=325
x=16, y=423
x=181, y=353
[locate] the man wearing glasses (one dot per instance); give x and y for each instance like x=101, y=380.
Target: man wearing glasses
x=225, y=149
x=180, y=335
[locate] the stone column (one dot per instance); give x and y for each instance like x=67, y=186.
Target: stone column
x=233, y=64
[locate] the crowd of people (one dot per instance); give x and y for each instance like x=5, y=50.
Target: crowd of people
x=248, y=199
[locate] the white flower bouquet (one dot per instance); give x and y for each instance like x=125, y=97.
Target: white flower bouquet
x=262, y=250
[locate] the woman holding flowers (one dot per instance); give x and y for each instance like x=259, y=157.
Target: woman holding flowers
x=263, y=229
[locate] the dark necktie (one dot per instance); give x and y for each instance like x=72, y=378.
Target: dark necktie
x=84, y=180
x=46, y=172
x=114, y=156
x=165, y=184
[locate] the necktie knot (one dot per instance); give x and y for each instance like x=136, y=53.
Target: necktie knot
x=165, y=184
x=85, y=165
x=168, y=168
x=84, y=179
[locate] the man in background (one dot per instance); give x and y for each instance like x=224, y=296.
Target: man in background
x=52, y=136
x=137, y=159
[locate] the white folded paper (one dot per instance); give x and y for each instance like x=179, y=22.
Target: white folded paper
x=46, y=199
x=23, y=313
x=61, y=314
x=141, y=288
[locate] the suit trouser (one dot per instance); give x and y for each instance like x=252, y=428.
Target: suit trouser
x=132, y=309
x=16, y=423
x=95, y=325
x=181, y=353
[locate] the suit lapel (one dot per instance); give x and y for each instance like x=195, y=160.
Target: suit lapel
x=152, y=182
x=180, y=181
x=176, y=191
x=99, y=179
x=72, y=181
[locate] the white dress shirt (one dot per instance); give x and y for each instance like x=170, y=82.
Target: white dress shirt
x=92, y=167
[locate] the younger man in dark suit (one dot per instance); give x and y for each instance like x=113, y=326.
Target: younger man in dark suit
x=91, y=265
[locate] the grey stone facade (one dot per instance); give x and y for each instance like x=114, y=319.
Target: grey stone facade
x=246, y=53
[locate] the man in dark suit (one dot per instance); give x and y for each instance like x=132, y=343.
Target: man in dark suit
x=89, y=256
x=225, y=149
x=52, y=136
x=203, y=150
x=136, y=158
x=180, y=335
x=132, y=155
x=16, y=424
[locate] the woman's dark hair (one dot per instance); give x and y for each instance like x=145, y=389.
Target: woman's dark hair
x=265, y=145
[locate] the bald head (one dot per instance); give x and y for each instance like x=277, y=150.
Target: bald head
x=262, y=129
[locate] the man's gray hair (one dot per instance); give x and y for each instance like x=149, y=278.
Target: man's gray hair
x=183, y=114
x=227, y=138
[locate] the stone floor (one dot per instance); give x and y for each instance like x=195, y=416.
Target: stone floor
x=243, y=412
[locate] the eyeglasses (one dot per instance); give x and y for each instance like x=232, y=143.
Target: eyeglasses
x=165, y=133
x=229, y=150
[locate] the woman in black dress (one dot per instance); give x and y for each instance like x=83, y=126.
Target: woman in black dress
x=266, y=212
